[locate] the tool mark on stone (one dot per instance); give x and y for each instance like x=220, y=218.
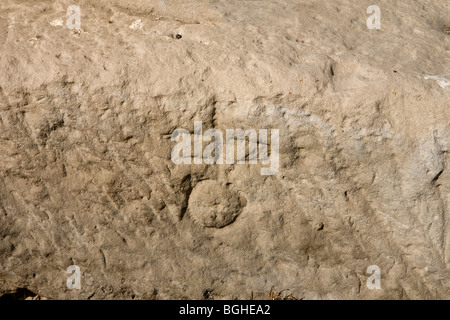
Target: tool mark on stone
x=186, y=185
x=393, y=220
x=103, y=257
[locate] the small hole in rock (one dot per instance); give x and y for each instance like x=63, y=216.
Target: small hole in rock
x=207, y=294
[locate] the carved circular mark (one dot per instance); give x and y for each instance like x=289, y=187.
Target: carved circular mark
x=214, y=205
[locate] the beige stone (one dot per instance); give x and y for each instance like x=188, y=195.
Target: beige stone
x=86, y=178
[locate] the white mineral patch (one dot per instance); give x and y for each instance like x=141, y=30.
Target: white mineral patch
x=57, y=23
x=443, y=82
x=137, y=24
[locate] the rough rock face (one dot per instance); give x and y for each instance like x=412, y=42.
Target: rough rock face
x=87, y=179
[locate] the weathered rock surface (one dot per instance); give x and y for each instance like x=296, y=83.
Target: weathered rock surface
x=86, y=176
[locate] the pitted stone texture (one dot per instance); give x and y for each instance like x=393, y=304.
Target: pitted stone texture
x=86, y=178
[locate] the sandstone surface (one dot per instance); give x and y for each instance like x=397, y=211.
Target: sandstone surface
x=86, y=176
